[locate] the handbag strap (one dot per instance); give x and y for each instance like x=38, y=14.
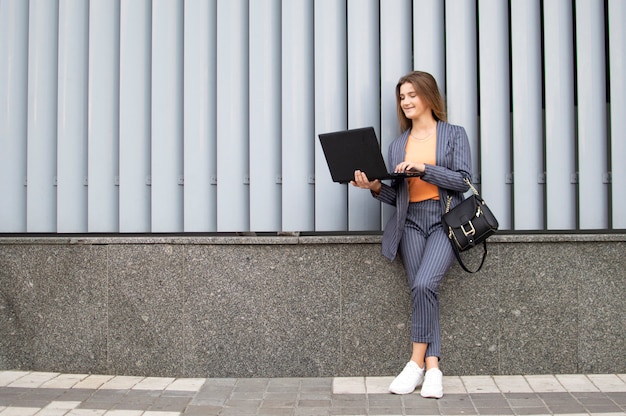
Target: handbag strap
x=467, y=181
x=457, y=253
x=458, y=257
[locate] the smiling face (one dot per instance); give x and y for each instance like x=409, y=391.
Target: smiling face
x=411, y=103
x=417, y=95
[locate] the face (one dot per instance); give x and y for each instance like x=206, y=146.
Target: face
x=411, y=103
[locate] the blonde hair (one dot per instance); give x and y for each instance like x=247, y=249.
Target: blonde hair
x=427, y=89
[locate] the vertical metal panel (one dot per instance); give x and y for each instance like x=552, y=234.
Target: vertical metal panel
x=167, y=116
x=617, y=52
x=298, y=133
x=495, y=120
x=199, y=116
x=429, y=39
x=42, y=110
x=395, y=61
x=592, y=128
x=72, y=117
x=330, y=108
x=103, y=127
x=13, y=113
x=363, y=98
x=527, y=116
x=462, y=73
x=232, y=116
x=134, y=116
x=559, y=118
x=265, y=116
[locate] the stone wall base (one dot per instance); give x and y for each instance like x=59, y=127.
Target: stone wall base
x=293, y=306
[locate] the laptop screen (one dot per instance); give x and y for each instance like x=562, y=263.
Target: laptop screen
x=349, y=150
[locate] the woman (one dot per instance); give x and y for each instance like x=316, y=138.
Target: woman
x=440, y=151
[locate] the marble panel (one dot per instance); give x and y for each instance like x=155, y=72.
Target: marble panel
x=145, y=310
x=17, y=311
x=539, y=308
x=255, y=311
x=375, y=312
x=470, y=315
x=71, y=284
x=602, y=331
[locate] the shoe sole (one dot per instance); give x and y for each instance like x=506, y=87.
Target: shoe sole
x=432, y=396
x=402, y=392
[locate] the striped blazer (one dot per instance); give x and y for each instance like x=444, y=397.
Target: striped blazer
x=453, y=165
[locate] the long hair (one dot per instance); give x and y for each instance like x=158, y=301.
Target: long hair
x=426, y=87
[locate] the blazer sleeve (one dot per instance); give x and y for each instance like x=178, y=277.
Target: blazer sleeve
x=387, y=194
x=456, y=163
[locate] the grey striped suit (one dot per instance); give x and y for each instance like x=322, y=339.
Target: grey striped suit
x=415, y=230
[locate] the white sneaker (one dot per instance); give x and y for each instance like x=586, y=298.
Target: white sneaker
x=433, y=384
x=406, y=382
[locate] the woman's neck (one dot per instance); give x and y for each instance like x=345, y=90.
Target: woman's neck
x=423, y=126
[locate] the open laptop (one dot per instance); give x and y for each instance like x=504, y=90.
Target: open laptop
x=349, y=150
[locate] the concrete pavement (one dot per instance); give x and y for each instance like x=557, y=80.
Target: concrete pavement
x=53, y=394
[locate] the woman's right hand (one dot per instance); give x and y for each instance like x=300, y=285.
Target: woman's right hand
x=361, y=181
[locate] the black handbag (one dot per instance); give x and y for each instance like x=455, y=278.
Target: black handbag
x=469, y=224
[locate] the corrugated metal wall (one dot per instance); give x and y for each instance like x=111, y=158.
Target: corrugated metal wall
x=202, y=116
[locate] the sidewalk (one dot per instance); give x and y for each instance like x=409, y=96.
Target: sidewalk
x=53, y=394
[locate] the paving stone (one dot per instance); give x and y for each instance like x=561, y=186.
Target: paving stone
x=170, y=404
x=608, y=382
x=377, y=385
x=507, y=384
x=480, y=384
x=259, y=384
x=576, y=382
x=534, y=410
x=20, y=411
x=122, y=383
x=544, y=383
x=312, y=412
x=199, y=410
x=345, y=411
x=495, y=411
x=64, y=381
x=186, y=384
x=304, y=395
x=276, y=411
x=44, y=394
x=349, y=400
x=453, y=385
x=384, y=400
x=153, y=383
x=33, y=380
x=567, y=408
x=8, y=377
x=92, y=382
x=349, y=385
x=284, y=385
x=618, y=397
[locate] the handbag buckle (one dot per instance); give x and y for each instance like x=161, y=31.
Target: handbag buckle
x=470, y=230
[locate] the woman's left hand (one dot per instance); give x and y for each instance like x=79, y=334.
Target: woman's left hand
x=410, y=167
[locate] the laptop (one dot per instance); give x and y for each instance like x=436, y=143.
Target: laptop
x=349, y=150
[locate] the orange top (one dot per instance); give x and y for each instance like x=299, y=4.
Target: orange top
x=421, y=151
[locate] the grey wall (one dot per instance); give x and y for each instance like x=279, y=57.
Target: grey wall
x=303, y=306
x=164, y=116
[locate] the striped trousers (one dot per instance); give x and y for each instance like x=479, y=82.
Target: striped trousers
x=427, y=255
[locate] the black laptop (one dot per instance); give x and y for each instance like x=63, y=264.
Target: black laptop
x=349, y=150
